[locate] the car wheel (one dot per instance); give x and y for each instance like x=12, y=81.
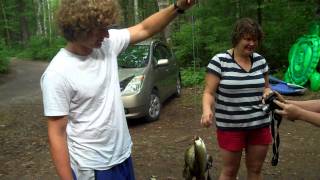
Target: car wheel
x=154, y=107
x=178, y=87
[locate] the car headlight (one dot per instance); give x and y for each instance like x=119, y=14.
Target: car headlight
x=134, y=86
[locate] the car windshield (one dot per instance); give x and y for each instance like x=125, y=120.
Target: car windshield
x=135, y=56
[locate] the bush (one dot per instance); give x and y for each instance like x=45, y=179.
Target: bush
x=192, y=76
x=41, y=48
x=4, y=57
x=4, y=62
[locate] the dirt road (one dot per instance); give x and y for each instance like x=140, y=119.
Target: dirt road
x=158, y=146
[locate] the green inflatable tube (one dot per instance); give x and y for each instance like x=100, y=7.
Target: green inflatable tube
x=303, y=60
x=315, y=81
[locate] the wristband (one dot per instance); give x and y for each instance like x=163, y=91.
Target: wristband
x=179, y=10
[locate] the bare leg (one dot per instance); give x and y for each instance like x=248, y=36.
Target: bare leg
x=231, y=164
x=255, y=156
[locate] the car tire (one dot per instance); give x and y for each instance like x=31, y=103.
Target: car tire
x=154, y=107
x=178, y=87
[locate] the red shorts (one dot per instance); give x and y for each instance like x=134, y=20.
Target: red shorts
x=237, y=140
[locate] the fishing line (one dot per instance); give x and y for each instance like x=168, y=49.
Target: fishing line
x=195, y=58
x=194, y=62
x=195, y=53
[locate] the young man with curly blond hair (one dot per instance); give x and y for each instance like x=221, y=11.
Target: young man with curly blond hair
x=87, y=128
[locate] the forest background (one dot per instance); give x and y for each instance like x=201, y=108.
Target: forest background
x=28, y=29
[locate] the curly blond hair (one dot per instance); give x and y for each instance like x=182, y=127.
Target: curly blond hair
x=75, y=18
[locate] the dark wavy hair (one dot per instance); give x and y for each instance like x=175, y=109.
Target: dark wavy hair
x=75, y=18
x=246, y=26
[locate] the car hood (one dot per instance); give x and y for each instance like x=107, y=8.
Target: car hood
x=125, y=73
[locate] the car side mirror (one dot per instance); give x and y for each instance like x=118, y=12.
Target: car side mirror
x=162, y=62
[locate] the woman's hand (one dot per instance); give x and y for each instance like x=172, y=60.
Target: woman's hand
x=206, y=118
x=266, y=93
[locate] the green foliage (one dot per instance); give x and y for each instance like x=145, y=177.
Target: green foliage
x=280, y=73
x=283, y=28
x=4, y=62
x=192, y=76
x=207, y=35
x=41, y=48
x=197, y=35
x=182, y=45
x=4, y=57
x=282, y=21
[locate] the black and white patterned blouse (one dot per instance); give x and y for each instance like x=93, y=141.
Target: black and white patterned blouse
x=238, y=97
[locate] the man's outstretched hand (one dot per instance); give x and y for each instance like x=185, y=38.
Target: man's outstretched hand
x=185, y=4
x=288, y=111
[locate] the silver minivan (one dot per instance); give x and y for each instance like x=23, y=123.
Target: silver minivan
x=148, y=74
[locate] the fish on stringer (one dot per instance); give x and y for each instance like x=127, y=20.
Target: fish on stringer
x=197, y=161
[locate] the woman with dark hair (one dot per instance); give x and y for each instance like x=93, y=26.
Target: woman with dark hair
x=236, y=80
x=87, y=128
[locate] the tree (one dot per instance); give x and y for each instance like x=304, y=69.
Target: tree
x=4, y=14
x=136, y=11
x=23, y=21
x=167, y=31
x=38, y=17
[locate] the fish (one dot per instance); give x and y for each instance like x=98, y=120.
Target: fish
x=197, y=161
x=153, y=177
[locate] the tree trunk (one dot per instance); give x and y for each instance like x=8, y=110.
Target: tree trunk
x=49, y=19
x=8, y=38
x=38, y=18
x=167, y=31
x=128, y=11
x=44, y=16
x=238, y=9
x=23, y=21
x=259, y=12
x=317, y=15
x=136, y=11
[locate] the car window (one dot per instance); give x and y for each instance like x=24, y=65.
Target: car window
x=166, y=52
x=161, y=52
x=157, y=53
x=135, y=56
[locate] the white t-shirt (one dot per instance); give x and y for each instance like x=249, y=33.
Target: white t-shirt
x=86, y=90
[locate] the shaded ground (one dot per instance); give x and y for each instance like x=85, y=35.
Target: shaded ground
x=158, y=147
